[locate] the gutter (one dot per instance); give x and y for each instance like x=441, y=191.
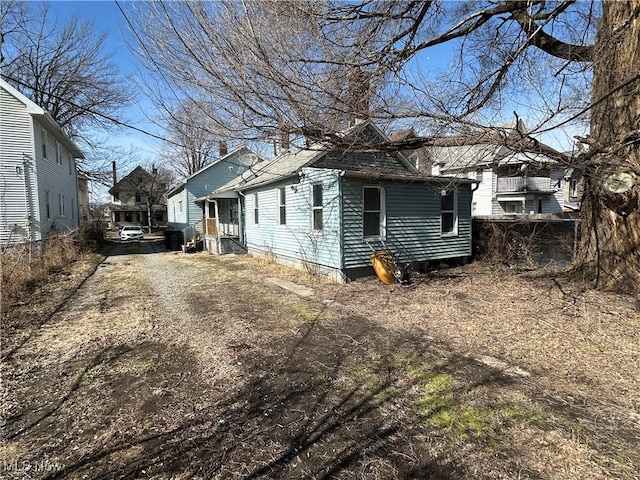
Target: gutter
x=408, y=178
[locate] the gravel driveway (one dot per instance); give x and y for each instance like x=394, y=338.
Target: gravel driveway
x=165, y=365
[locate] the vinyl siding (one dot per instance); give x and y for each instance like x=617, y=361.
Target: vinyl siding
x=206, y=181
x=296, y=241
x=412, y=224
x=56, y=179
x=16, y=152
x=177, y=219
x=362, y=161
x=483, y=195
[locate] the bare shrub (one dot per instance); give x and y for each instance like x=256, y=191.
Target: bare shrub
x=527, y=243
x=502, y=243
x=26, y=266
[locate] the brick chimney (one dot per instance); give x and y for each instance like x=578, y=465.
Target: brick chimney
x=222, y=149
x=358, y=96
x=113, y=169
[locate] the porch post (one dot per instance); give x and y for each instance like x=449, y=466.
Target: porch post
x=215, y=207
x=240, y=229
x=206, y=215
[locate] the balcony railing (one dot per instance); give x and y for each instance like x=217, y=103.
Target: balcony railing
x=520, y=184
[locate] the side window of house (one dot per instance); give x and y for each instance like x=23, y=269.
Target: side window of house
x=282, y=206
x=138, y=198
x=574, y=187
x=70, y=158
x=58, y=153
x=180, y=206
x=317, y=207
x=449, y=213
x=255, y=209
x=47, y=196
x=43, y=136
x=374, y=215
x=61, y=204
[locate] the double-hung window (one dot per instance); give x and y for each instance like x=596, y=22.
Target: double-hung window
x=47, y=196
x=282, y=206
x=449, y=213
x=43, y=137
x=255, y=209
x=61, y=204
x=317, y=207
x=374, y=217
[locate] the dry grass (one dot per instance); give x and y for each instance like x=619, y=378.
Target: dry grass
x=27, y=266
x=192, y=366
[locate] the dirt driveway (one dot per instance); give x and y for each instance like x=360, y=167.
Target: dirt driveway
x=164, y=365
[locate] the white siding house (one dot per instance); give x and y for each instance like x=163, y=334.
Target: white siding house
x=509, y=182
x=38, y=180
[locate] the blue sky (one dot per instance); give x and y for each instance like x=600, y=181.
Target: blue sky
x=107, y=18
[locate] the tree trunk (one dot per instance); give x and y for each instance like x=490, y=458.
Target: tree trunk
x=609, y=253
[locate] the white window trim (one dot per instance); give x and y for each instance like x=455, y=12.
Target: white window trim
x=61, y=204
x=573, y=188
x=256, y=210
x=58, y=153
x=180, y=208
x=314, y=208
x=282, y=205
x=44, y=138
x=454, y=232
x=382, y=228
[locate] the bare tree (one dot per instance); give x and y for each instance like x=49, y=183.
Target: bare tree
x=193, y=145
x=13, y=21
x=61, y=66
x=292, y=63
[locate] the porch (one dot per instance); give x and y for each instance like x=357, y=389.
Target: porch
x=221, y=226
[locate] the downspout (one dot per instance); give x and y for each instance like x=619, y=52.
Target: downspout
x=340, y=208
x=215, y=209
x=240, y=219
x=28, y=187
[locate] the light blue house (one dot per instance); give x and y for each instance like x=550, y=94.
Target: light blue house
x=184, y=209
x=326, y=210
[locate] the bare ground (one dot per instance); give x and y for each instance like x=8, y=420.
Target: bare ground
x=164, y=365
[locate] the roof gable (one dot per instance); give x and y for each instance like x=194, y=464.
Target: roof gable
x=227, y=160
x=44, y=118
x=32, y=107
x=132, y=180
x=325, y=155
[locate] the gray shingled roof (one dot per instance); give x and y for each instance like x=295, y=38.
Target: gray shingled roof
x=267, y=171
x=468, y=157
x=288, y=163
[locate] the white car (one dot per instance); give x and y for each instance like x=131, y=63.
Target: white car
x=131, y=232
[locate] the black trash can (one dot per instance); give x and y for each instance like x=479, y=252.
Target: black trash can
x=173, y=240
